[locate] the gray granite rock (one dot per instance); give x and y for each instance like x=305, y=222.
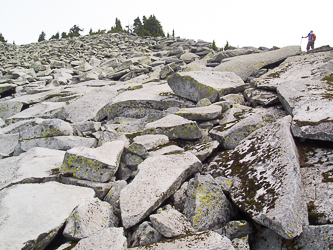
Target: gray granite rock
x=267, y=180
x=313, y=237
x=42, y=110
x=89, y=217
x=174, y=127
x=9, y=108
x=316, y=169
x=113, y=194
x=100, y=188
x=158, y=178
x=200, y=113
x=171, y=223
x=203, y=150
x=9, y=145
x=89, y=107
x=179, y=197
x=48, y=128
x=245, y=65
x=145, y=234
x=167, y=150
x=151, y=141
x=32, y=214
x=109, y=238
x=36, y=165
x=59, y=142
x=234, y=98
x=238, y=123
x=98, y=164
x=261, y=97
x=236, y=229
x=305, y=94
x=206, y=206
x=197, y=85
x=205, y=240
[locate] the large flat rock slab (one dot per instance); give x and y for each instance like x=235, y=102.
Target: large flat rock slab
x=88, y=107
x=41, y=110
x=59, y=142
x=205, y=113
x=267, y=181
x=141, y=99
x=197, y=85
x=158, y=178
x=305, y=91
x=32, y=214
x=37, y=164
x=245, y=65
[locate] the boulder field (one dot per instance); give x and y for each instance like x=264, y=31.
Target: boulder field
x=117, y=141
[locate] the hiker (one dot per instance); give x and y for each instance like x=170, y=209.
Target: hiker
x=311, y=39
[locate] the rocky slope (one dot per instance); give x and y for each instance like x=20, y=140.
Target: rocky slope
x=116, y=141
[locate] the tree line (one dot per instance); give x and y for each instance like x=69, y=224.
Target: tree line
x=147, y=27
x=142, y=27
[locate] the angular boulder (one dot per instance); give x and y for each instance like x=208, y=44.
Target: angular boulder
x=42, y=110
x=9, y=144
x=237, y=124
x=94, y=164
x=59, y=142
x=196, y=85
x=158, y=178
x=9, y=108
x=174, y=126
x=48, y=128
x=267, y=182
x=145, y=234
x=91, y=106
x=88, y=218
x=200, y=113
x=171, y=223
x=206, y=206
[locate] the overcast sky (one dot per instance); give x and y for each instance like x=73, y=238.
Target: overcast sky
x=240, y=22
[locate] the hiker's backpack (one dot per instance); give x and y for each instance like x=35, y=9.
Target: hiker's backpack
x=314, y=37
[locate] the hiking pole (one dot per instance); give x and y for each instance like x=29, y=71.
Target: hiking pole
x=301, y=41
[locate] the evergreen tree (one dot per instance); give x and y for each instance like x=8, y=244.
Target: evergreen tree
x=173, y=33
x=97, y=32
x=137, y=27
x=2, y=39
x=41, y=37
x=214, y=46
x=56, y=36
x=117, y=28
x=74, y=31
x=153, y=27
x=148, y=27
x=227, y=46
x=64, y=35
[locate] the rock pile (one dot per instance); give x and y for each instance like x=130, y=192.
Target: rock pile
x=116, y=141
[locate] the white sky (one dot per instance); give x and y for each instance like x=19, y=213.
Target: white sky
x=241, y=22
